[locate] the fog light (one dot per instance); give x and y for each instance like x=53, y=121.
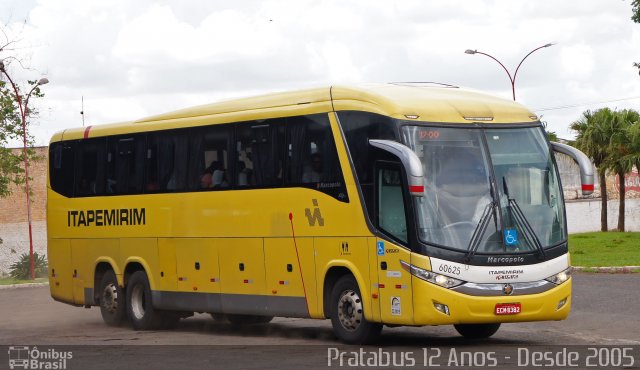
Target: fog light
x=561, y=303
x=441, y=307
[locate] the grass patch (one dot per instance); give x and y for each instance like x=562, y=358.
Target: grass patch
x=605, y=249
x=10, y=281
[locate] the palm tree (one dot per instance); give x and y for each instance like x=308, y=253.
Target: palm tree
x=622, y=155
x=634, y=138
x=593, y=138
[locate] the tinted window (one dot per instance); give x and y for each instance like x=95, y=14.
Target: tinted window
x=125, y=164
x=312, y=159
x=166, y=161
x=209, y=158
x=260, y=152
x=90, y=167
x=358, y=129
x=295, y=151
x=61, y=167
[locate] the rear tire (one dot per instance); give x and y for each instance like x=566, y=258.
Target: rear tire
x=112, y=300
x=139, y=305
x=347, y=314
x=477, y=331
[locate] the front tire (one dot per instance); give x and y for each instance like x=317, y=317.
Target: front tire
x=112, y=300
x=347, y=313
x=477, y=331
x=139, y=305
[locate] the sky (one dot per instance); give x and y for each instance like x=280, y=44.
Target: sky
x=131, y=59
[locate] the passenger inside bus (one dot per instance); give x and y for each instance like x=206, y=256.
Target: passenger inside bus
x=313, y=171
x=214, y=176
x=245, y=175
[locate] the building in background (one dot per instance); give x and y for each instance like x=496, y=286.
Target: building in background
x=14, y=229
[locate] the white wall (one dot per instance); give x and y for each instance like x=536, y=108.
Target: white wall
x=15, y=241
x=584, y=216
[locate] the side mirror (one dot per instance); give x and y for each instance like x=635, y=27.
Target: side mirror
x=410, y=162
x=586, y=167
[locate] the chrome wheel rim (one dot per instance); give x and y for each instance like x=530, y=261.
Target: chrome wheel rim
x=137, y=302
x=350, y=310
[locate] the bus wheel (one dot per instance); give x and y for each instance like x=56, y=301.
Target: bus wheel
x=477, y=331
x=248, y=319
x=111, y=299
x=139, y=307
x=347, y=313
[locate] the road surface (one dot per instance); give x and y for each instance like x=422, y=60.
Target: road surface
x=605, y=312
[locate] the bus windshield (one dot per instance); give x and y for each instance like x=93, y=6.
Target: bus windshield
x=491, y=190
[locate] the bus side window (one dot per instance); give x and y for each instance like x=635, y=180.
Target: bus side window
x=125, y=164
x=151, y=181
x=208, y=166
x=90, y=167
x=312, y=152
x=359, y=128
x=259, y=150
x=61, y=167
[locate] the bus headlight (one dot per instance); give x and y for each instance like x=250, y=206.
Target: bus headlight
x=430, y=276
x=560, y=277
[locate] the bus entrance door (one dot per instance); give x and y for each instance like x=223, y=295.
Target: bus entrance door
x=394, y=283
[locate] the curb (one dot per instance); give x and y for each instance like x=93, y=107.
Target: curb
x=26, y=285
x=608, y=270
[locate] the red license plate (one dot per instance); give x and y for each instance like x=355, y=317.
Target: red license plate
x=508, y=308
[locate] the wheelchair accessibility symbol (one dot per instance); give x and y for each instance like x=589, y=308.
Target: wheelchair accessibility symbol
x=510, y=237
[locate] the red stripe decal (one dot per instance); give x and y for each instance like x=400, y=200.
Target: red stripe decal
x=587, y=187
x=86, y=132
x=416, y=188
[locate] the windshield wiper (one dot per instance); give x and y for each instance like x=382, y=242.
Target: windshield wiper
x=521, y=219
x=479, y=231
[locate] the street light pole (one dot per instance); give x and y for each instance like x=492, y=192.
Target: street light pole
x=23, y=117
x=515, y=74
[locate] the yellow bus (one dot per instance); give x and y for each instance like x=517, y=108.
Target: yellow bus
x=382, y=204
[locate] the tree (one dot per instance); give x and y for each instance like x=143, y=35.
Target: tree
x=593, y=138
x=12, y=103
x=621, y=155
x=634, y=138
x=11, y=162
x=551, y=135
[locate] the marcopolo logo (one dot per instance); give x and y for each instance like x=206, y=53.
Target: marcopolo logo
x=25, y=357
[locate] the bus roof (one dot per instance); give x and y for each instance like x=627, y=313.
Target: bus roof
x=427, y=102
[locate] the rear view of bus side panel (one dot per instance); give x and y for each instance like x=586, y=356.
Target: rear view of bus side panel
x=60, y=273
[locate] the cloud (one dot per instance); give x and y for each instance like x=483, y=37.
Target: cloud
x=135, y=58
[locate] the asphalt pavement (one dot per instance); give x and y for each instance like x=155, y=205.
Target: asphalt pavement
x=605, y=312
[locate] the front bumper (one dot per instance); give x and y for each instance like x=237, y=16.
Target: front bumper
x=469, y=309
